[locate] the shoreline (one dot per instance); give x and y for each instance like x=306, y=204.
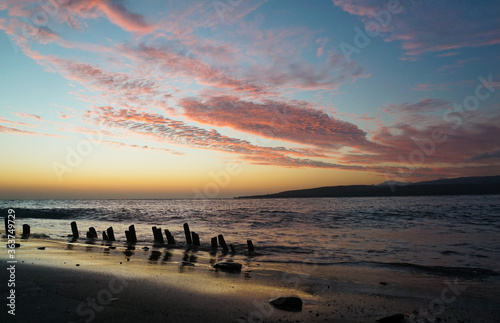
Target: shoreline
x=180, y=285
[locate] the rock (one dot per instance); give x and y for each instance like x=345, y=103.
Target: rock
x=384, y=283
x=228, y=266
x=41, y=248
x=293, y=303
x=396, y=318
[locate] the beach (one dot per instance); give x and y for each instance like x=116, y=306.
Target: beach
x=83, y=282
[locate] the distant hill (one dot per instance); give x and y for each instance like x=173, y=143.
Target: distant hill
x=455, y=186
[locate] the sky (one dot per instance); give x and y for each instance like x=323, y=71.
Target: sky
x=209, y=99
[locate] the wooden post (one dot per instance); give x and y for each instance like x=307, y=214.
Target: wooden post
x=133, y=236
x=232, y=249
x=74, y=229
x=105, y=236
x=214, y=243
x=111, y=234
x=170, y=238
x=155, y=234
x=26, y=231
x=6, y=224
x=187, y=232
x=222, y=243
x=93, y=232
x=158, y=236
x=127, y=235
x=250, y=246
x=196, y=239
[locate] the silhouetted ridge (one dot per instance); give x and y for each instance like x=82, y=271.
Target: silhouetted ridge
x=457, y=186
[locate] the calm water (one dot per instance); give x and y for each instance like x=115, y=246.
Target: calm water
x=406, y=232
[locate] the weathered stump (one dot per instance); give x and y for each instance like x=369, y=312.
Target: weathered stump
x=214, y=243
x=187, y=232
x=196, y=238
x=111, y=234
x=222, y=243
x=250, y=246
x=105, y=236
x=170, y=237
x=158, y=236
x=26, y=231
x=74, y=230
x=131, y=235
x=93, y=232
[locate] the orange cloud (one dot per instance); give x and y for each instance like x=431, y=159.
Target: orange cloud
x=177, y=132
x=295, y=122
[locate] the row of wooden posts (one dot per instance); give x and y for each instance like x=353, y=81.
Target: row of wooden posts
x=192, y=238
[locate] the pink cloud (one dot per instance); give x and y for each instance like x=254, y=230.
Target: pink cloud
x=70, y=11
x=116, y=13
x=120, y=16
x=417, y=146
x=181, y=65
x=168, y=130
x=295, y=122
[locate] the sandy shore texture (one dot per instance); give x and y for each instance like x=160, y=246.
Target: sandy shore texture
x=59, y=281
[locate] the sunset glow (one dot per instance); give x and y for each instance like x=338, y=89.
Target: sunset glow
x=205, y=99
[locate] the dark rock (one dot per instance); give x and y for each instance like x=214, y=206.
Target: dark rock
x=228, y=266
x=396, y=318
x=384, y=283
x=41, y=248
x=293, y=304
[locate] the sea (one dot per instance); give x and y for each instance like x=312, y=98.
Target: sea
x=433, y=234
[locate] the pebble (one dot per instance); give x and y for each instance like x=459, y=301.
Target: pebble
x=228, y=266
x=293, y=303
x=396, y=318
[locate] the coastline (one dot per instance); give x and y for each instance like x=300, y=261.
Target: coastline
x=178, y=285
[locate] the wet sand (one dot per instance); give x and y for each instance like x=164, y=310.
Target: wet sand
x=78, y=282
